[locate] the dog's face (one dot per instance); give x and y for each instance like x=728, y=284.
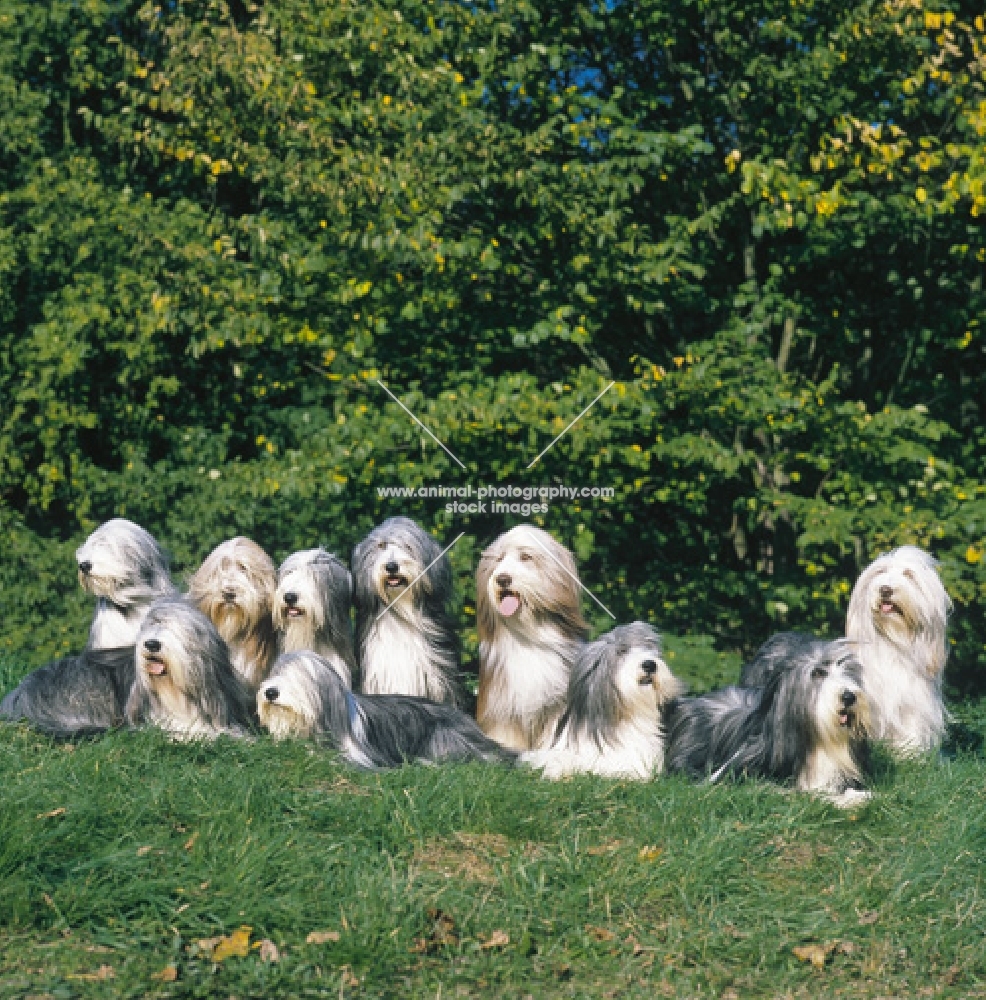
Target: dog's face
x=117, y=556
x=291, y=702
x=169, y=647
x=306, y=583
x=235, y=586
x=644, y=680
x=839, y=709
x=526, y=574
x=899, y=596
x=393, y=558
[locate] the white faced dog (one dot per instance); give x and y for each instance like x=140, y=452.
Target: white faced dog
x=184, y=681
x=530, y=630
x=311, y=609
x=806, y=725
x=305, y=697
x=898, y=614
x=123, y=566
x=406, y=641
x=234, y=586
x=613, y=724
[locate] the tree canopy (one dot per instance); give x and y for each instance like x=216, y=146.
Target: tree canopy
x=224, y=223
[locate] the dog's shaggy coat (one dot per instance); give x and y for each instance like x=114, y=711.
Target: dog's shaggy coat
x=305, y=697
x=406, y=641
x=311, y=609
x=126, y=570
x=898, y=618
x=75, y=696
x=235, y=587
x=530, y=630
x=807, y=725
x=184, y=681
x=613, y=722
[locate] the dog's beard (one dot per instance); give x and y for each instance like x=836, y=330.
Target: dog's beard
x=283, y=722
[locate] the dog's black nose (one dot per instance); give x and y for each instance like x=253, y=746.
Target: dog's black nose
x=271, y=694
x=229, y=595
x=391, y=567
x=290, y=598
x=886, y=592
x=152, y=645
x=848, y=698
x=85, y=566
x=504, y=579
x=649, y=667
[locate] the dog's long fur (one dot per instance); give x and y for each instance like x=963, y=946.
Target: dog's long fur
x=808, y=725
x=613, y=724
x=312, y=606
x=235, y=587
x=898, y=617
x=525, y=658
x=76, y=696
x=126, y=570
x=305, y=697
x=184, y=681
x=778, y=653
x=406, y=641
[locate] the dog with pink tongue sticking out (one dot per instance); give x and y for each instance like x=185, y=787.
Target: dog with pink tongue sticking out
x=530, y=630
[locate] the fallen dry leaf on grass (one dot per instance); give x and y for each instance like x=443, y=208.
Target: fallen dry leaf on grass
x=322, y=937
x=649, y=852
x=443, y=934
x=268, y=950
x=610, y=847
x=141, y=851
x=348, y=979
x=102, y=973
x=600, y=933
x=190, y=843
x=498, y=939
x=869, y=917
x=168, y=974
x=817, y=954
x=52, y=813
x=235, y=945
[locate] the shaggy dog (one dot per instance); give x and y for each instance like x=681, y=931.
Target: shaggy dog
x=530, y=631
x=406, y=641
x=305, y=697
x=76, y=696
x=311, y=609
x=807, y=725
x=184, y=681
x=898, y=613
x=126, y=570
x=235, y=588
x=613, y=724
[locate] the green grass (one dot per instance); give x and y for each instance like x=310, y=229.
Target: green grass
x=118, y=855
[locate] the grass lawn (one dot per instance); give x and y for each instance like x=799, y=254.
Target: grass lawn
x=123, y=859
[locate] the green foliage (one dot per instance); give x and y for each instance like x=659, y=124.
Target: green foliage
x=224, y=222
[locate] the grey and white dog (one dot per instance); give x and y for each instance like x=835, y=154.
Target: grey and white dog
x=184, y=680
x=311, y=609
x=613, y=724
x=126, y=570
x=305, y=697
x=75, y=696
x=406, y=641
x=807, y=725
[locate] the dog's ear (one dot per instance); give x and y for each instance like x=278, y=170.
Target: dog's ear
x=485, y=615
x=787, y=722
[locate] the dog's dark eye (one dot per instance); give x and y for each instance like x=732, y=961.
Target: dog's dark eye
x=526, y=557
x=819, y=673
x=909, y=574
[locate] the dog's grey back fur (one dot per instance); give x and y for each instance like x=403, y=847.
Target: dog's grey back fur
x=75, y=696
x=779, y=652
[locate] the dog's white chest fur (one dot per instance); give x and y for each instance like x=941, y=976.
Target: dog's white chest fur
x=398, y=659
x=635, y=749
x=528, y=682
x=112, y=627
